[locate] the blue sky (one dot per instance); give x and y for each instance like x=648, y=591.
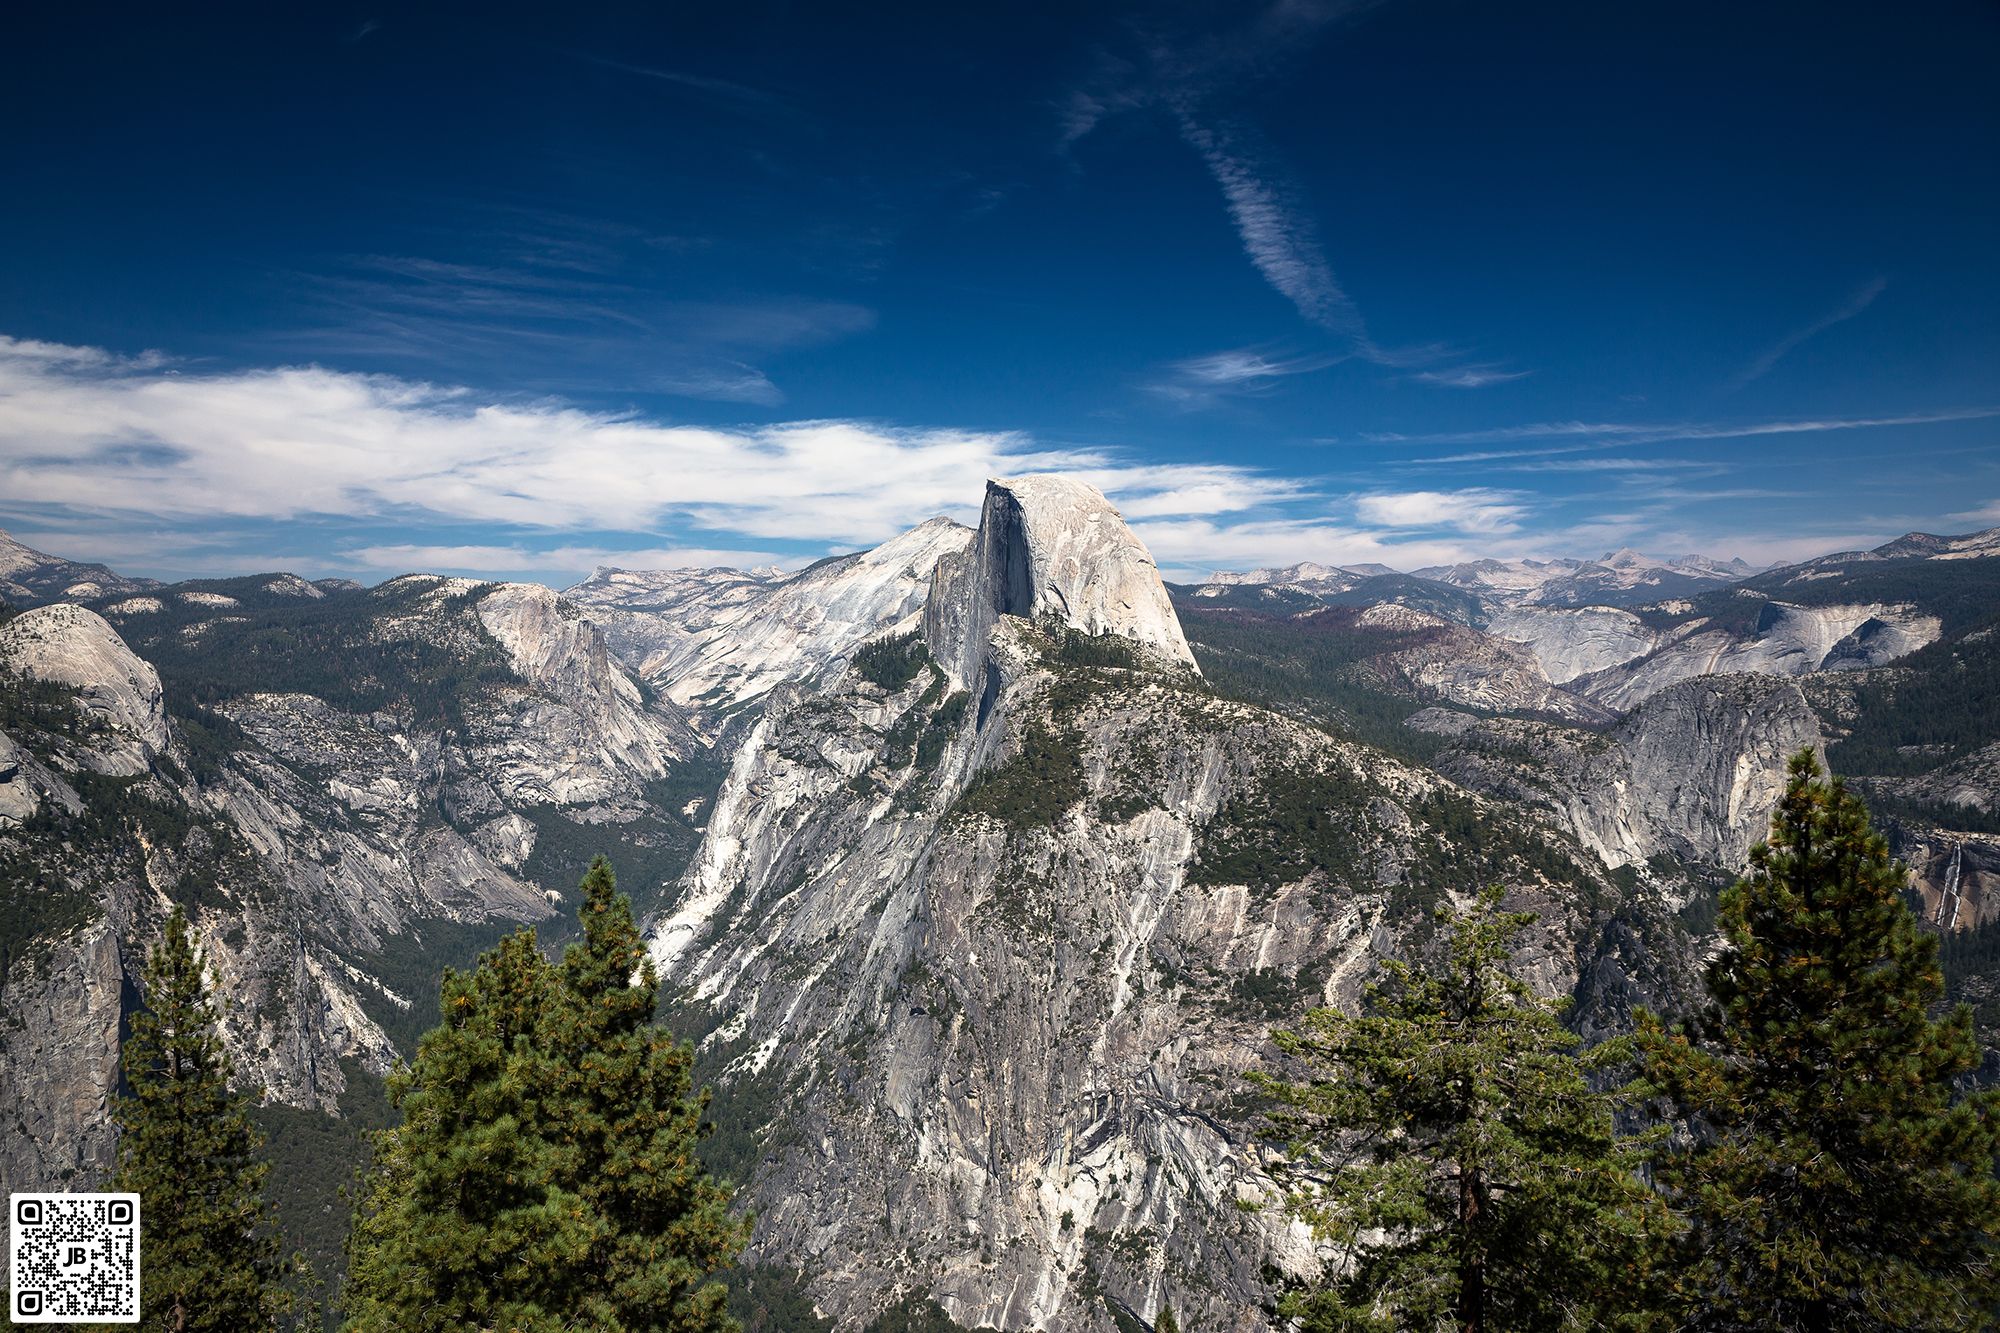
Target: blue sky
x=519, y=291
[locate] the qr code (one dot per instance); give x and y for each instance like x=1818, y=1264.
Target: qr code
x=73, y=1257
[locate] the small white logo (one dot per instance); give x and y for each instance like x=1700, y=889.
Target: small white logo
x=73, y=1258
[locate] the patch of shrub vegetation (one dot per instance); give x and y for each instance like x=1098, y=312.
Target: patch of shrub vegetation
x=1940, y=702
x=1462, y=847
x=345, y=648
x=747, y=1113
x=648, y=853
x=1073, y=648
x=314, y=1157
x=1292, y=822
x=938, y=732
x=1036, y=785
x=1310, y=668
x=412, y=962
x=1893, y=810
x=36, y=908
x=1267, y=992
x=893, y=662
x=29, y=704
x=917, y=1314
x=764, y=1298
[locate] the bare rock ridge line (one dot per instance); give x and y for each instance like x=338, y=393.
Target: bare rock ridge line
x=1048, y=546
x=716, y=642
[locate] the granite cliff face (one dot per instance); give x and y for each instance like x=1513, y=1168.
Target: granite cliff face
x=117, y=695
x=1692, y=774
x=982, y=949
x=1785, y=640
x=1048, y=547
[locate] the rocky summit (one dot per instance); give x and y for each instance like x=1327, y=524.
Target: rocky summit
x=979, y=865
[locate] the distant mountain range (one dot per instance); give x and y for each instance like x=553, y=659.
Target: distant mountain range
x=1621, y=578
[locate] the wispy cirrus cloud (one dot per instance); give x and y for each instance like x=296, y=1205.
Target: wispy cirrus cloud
x=517, y=557
x=1188, y=549
x=1861, y=298
x=1638, y=432
x=722, y=90
x=1470, y=377
x=1278, y=234
x=547, y=301
x=1193, y=79
x=1201, y=380
x=1602, y=464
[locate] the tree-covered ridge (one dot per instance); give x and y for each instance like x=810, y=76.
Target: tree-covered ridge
x=893, y=662
x=1310, y=667
x=1939, y=703
x=1044, y=777
x=1438, y=598
x=413, y=646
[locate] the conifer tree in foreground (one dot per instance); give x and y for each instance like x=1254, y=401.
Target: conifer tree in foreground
x=1450, y=1143
x=1836, y=1182
x=544, y=1176
x=210, y=1256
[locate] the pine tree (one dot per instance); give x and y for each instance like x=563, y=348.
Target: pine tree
x=544, y=1175
x=186, y=1146
x=1836, y=1181
x=666, y=1225
x=1165, y=1322
x=464, y=1219
x=1450, y=1143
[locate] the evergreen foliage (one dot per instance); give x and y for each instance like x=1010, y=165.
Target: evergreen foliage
x=544, y=1176
x=315, y=1157
x=1837, y=1182
x=1311, y=667
x=403, y=646
x=1450, y=1143
x=1038, y=783
x=186, y=1146
x=1935, y=705
x=763, y=1299
x=893, y=662
x=917, y=1314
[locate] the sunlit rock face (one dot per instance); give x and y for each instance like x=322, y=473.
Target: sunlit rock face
x=320, y=846
x=117, y=694
x=1786, y=640
x=1049, y=546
